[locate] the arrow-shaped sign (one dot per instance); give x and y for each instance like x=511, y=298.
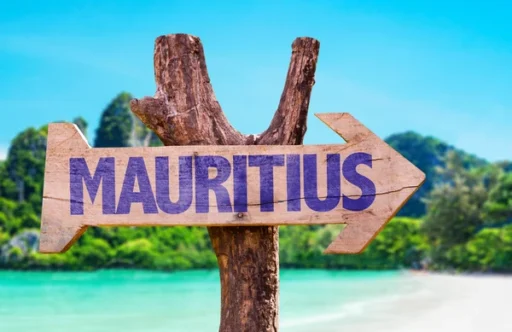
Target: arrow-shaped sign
x=362, y=184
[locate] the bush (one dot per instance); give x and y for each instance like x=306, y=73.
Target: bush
x=399, y=245
x=138, y=252
x=489, y=250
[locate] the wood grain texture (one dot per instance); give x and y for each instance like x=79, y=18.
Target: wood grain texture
x=186, y=116
x=184, y=111
x=395, y=180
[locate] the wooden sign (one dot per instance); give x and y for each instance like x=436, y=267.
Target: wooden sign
x=362, y=184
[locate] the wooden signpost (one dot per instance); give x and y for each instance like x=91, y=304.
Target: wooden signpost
x=241, y=187
x=362, y=184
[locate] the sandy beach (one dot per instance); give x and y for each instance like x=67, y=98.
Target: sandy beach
x=442, y=303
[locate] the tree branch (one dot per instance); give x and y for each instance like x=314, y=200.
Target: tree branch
x=288, y=126
x=184, y=111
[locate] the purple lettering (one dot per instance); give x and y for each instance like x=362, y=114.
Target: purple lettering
x=366, y=185
x=104, y=173
x=136, y=170
x=311, y=183
x=162, y=185
x=293, y=182
x=266, y=165
x=204, y=184
x=240, y=183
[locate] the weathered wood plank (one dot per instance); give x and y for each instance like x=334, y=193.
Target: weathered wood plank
x=362, y=183
x=184, y=111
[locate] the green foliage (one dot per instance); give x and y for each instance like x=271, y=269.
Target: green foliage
x=23, y=170
x=14, y=254
x=499, y=206
x=140, y=252
x=506, y=166
x=4, y=237
x=65, y=261
x=488, y=250
x=465, y=204
x=454, y=207
x=8, y=220
x=115, y=124
x=399, y=245
x=120, y=128
x=94, y=252
x=28, y=217
x=427, y=153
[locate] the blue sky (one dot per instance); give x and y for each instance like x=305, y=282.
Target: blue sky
x=442, y=68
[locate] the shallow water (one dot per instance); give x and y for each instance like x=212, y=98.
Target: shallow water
x=129, y=301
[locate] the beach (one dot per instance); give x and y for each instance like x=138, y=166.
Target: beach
x=310, y=300
x=441, y=303
x=461, y=303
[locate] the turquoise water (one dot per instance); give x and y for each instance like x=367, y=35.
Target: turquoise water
x=130, y=301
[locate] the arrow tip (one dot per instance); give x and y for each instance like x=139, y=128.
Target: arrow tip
x=360, y=232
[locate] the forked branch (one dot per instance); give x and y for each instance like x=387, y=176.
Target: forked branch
x=184, y=111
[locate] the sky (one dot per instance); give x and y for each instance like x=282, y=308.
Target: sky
x=440, y=68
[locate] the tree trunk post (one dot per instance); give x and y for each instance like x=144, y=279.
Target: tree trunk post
x=185, y=111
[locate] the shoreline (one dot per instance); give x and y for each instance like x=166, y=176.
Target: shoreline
x=402, y=271
x=425, y=302
x=311, y=300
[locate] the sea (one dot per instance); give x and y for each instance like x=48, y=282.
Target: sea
x=188, y=301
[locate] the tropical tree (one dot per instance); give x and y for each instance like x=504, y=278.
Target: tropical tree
x=454, y=206
x=115, y=123
x=428, y=154
x=120, y=128
x=498, y=208
x=24, y=166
